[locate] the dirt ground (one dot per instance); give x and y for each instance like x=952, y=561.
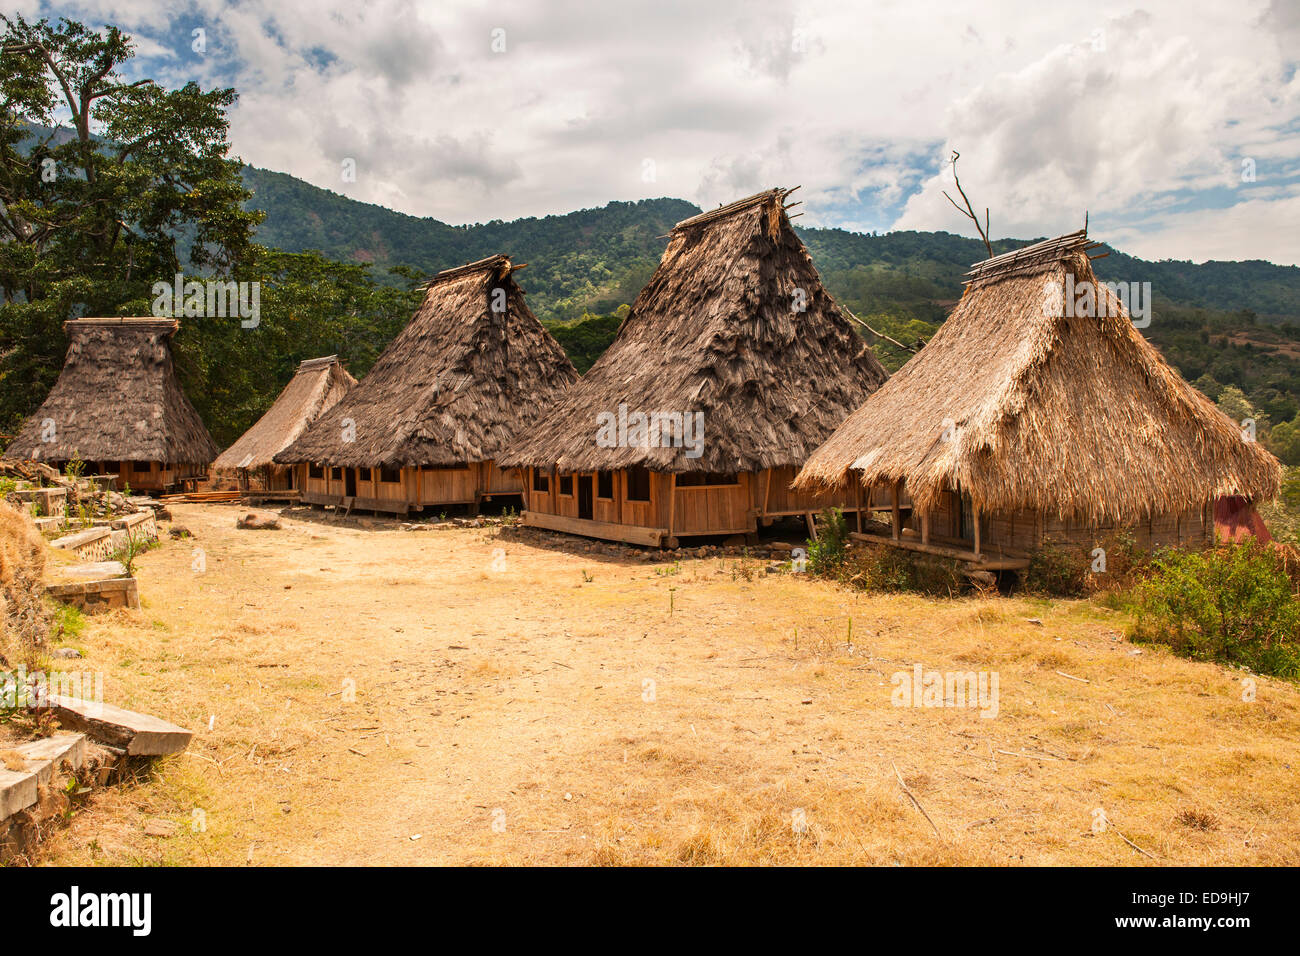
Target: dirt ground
x=381, y=696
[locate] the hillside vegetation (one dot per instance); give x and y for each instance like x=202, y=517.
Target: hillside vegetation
x=1223, y=325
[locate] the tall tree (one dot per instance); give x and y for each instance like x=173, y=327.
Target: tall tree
x=106, y=187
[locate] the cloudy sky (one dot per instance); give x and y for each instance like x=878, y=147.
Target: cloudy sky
x=1175, y=125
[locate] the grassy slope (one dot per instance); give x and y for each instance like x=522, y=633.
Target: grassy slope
x=526, y=692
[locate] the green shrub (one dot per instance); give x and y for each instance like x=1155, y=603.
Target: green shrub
x=66, y=621
x=826, y=554
x=880, y=567
x=1058, y=572
x=1068, y=570
x=1233, y=604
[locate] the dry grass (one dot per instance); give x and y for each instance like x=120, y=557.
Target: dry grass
x=534, y=717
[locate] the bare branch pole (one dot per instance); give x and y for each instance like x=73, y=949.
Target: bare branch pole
x=880, y=335
x=969, y=211
x=915, y=802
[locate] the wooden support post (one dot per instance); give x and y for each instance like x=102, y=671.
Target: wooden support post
x=857, y=499
x=767, y=491
x=975, y=520
x=672, y=503
x=925, y=526
x=896, y=516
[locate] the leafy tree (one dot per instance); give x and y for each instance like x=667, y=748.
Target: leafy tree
x=106, y=187
x=1233, y=403
x=310, y=306
x=1284, y=442
x=1209, y=386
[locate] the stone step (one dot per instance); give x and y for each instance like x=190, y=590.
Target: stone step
x=97, y=595
x=138, y=734
x=93, y=544
x=93, y=570
x=20, y=789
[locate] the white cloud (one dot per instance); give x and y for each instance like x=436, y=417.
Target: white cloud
x=854, y=102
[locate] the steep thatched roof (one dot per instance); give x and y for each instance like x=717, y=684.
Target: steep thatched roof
x=1025, y=406
x=715, y=331
x=315, y=388
x=456, y=385
x=117, y=399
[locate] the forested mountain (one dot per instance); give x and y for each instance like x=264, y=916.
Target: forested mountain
x=591, y=260
x=1222, y=323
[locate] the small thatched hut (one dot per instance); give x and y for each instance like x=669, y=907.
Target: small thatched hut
x=449, y=395
x=118, y=407
x=314, y=389
x=732, y=366
x=1036, y=417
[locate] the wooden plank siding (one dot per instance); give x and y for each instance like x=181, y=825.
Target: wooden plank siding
x=673, y=510
x=147, y=475
x=1029, y=531
x=414, y=489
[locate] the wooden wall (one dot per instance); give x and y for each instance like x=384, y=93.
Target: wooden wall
x=147, y=476
x=1029, y=531
x=681, y=509
x=775, y=497
x=413, y=489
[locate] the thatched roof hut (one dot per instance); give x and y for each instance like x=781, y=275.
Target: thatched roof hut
x=117, y=398
x=471, y=370
x=314, y=389
x=1026, y=406
x=719, y=330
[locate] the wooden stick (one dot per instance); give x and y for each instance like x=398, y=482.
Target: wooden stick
x=969, y=212
x=1081, y=680
x=857, y=500
x=1131, y=843
x=1012, y=753
x=880, y=335
x=916, y=802
x=896, y=517
x=672, y=502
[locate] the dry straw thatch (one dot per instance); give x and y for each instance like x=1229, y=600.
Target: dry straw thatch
x=1029, y=408
x=24, y=622
x=715, y=331
x=456, y=385
x=117, y=399
x=314, y=389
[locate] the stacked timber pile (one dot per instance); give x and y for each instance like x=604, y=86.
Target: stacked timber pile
x=203, y=497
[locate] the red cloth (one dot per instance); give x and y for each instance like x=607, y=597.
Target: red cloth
x=1235, y=518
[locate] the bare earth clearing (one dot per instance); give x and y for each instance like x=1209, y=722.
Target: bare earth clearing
x=518, y=712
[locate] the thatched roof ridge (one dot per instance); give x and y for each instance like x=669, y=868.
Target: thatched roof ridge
x=714, y=331
x=492, y=263
x=116, y=399
x=315, y=388
x=456, y=385
x=1026, y=406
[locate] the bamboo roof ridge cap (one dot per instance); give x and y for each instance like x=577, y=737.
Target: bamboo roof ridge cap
x=141, y=322
x=1029, y=257
x=469, y=268
x=722, y=212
